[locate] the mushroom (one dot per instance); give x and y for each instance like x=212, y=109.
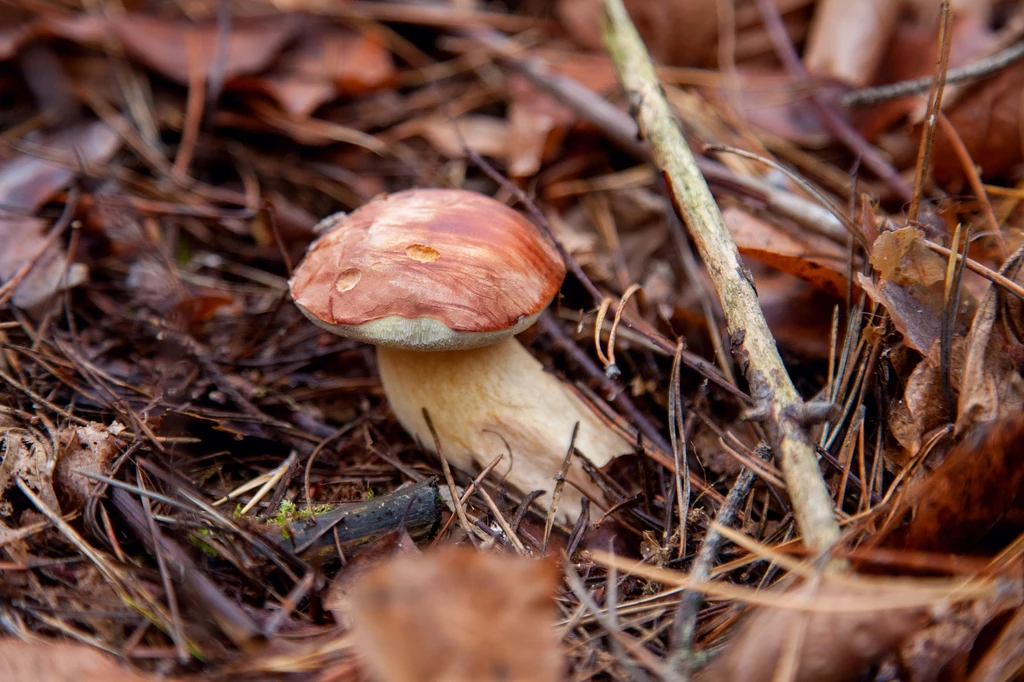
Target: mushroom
x=441, y=281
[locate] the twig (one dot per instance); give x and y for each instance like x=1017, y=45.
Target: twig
x=456, y=501
x=556, y=494
x=689, y=604
x=974, y=266
x=750, y=338
x=974, y=180
x=868, y=97
x=924, y=151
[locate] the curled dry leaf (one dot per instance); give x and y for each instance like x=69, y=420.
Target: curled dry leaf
x=90, y=448
x=912, y=286
x=923, y=406
x=659, y=23
x=835, y=645
x=458, y=615
x=58, y=661
x=27, y=182
x=919, y=324
x=27, y=455
x=993, y=387
x=901, y=257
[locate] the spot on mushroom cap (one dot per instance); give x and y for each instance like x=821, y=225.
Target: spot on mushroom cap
x=428, y=269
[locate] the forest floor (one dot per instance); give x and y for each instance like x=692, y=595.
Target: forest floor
x=826, y=479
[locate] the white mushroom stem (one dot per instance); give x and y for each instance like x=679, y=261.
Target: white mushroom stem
x=488, y=401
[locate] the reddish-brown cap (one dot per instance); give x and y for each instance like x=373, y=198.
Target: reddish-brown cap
x=428, y=269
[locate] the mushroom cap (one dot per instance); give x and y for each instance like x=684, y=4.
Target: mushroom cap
x=428, y=269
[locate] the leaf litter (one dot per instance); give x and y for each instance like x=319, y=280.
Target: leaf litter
x=198, y=484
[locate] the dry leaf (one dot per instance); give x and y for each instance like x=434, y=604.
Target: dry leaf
x=58, y=661
x=537, y=124
x=972, y=492
x=992, y=385
x=176, y=49
x=923, y=407
x=901, y=257
x=836, y=646
x=918, y=323
x=29, y=456
x=485, y=135
x=26, y=183
x=458, y=615
x=323, y=65
x=848, y=40
x=912, y=287
x=810, y=257
x=90, y=448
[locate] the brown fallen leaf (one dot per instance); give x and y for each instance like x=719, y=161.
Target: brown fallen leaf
x=978, y=488
x=27, y=182
x=836, y=646
x=90, y=448
x=458, y=615
x=900, y=256
x=57, y=661
x=923, y=407
x=919, y=324
x=324, y=65
x=30, y=456
x=911, y=286
x=992, y=386
x=847, y=40
x=485, y=135
x=537, y=124
x=178, y=49
x=810, y=257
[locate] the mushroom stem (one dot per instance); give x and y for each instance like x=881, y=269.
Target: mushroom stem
x=498, y=399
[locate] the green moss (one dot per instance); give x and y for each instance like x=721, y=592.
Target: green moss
x=202, y=545
x=289, y=511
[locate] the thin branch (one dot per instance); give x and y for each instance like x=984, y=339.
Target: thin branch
x=924, y=152
x=750, y=338
x=868, y=97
